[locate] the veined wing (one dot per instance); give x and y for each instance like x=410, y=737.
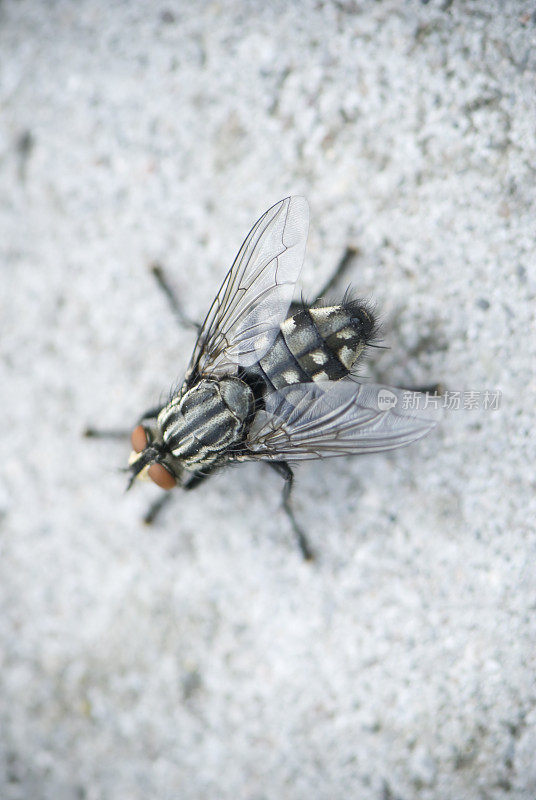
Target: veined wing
x=336, y=418
x=243, y=321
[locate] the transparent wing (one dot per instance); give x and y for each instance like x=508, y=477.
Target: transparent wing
x=244, y=318
x=336, y=418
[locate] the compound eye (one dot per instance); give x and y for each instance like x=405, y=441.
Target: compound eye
x=161, y=476
x=138, y=439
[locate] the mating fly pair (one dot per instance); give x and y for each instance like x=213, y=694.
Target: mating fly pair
x=272, y=380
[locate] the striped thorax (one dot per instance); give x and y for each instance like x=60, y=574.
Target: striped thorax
x=203, y=423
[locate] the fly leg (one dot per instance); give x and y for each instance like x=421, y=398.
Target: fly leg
x=161, y=502
x=101, y=433
x=347, y=257
x=117, y=433
x=176, y=308
x=432, y=388
x=196, y=479
x=151, y=413
x=179, y=314
x=184, y=321
x=155, y=508
x=120, y=433
x=283, y=469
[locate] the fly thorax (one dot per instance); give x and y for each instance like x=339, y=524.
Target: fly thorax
x=199, y=426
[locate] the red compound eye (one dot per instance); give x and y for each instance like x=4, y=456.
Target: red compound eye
x=161, y=476
x=138, y=439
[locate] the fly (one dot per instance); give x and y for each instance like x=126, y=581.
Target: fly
x=272, y=380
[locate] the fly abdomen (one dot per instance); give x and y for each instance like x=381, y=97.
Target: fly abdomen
x=318, y=344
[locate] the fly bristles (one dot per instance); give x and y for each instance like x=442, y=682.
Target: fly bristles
x=362, y=318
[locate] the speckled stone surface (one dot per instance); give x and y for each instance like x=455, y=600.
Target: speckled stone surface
x=203, y=658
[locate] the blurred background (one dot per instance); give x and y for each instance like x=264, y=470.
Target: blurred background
x=202, y=658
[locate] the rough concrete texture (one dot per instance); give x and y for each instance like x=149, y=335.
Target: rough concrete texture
x=203, y=658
